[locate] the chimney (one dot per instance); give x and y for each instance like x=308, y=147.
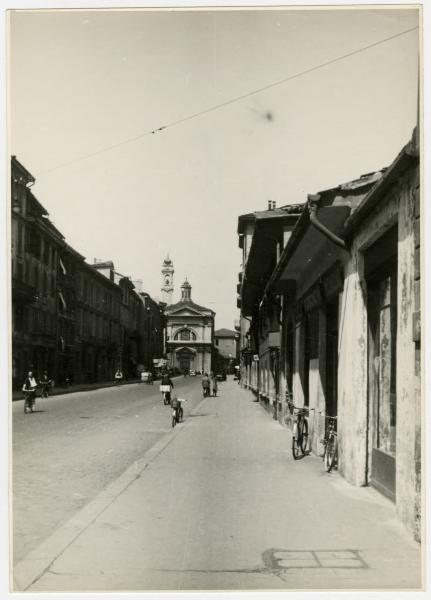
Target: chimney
x=273, y=205
x=269, y=204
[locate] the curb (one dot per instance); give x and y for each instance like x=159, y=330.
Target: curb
x=31, y=568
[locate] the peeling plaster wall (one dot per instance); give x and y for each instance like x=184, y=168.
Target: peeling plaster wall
x=397, y=206
x=352, y=378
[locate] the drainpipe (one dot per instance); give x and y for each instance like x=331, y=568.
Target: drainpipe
x=312, y=207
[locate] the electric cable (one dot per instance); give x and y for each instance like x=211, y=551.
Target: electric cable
x=231, y=101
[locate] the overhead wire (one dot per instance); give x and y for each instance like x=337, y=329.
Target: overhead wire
x=231, y=101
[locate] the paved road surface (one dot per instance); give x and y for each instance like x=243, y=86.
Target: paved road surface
x=220, y=504
x=75, y=445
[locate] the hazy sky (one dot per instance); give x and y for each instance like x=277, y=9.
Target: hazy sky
x=81, y=81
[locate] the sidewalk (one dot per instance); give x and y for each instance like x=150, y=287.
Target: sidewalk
x=220, y=504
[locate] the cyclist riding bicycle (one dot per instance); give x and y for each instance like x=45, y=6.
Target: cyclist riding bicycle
x=177, y=405
x=166, y=387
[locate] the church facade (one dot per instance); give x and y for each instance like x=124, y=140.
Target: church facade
x=189, y=330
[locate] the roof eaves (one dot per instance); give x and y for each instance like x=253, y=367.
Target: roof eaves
x=405, y=158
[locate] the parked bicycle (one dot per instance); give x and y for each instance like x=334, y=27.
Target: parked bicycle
x=300, y=430
x=330, y=442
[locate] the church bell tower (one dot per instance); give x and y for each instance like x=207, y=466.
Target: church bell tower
x=167, y=280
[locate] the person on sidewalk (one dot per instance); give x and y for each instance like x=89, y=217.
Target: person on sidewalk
x=29, y=388
x=213, y=384
x=118, y=376
x=206, y=385
x=44, y=383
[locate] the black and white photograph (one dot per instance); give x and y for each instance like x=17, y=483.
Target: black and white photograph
x=215, y=276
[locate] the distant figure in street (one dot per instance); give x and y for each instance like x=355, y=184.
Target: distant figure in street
x=44, y=383
x=29, y=389
x=206, y=385
x=213, y=384
x=118, y=376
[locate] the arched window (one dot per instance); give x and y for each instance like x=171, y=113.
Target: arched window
x=185, y=335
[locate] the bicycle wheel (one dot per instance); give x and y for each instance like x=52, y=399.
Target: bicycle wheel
x=304, y=437
x=331, y=452
x=295, y=442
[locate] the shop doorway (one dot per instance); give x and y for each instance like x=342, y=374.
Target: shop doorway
x=381, y=276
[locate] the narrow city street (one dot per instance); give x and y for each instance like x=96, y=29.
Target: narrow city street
x=110, y=498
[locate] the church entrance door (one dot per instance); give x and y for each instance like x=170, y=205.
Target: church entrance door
x=185, y=359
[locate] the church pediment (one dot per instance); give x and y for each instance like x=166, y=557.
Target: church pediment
x=184, y=312
x=185, y=350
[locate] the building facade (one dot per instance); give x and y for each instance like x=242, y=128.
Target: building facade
x=77, y=321
x=226, y=344
x=35, y=245
x=342, y=306
x=262, y=237
x=189, y=333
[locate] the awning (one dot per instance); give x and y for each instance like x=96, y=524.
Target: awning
x=313, y=248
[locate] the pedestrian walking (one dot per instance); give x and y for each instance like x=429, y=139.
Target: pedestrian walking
x=29, y=388
x=44, y=383
x=213, y=384
x=206, y=385
x=118, y=376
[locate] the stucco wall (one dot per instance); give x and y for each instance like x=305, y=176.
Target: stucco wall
x=352, y=378
x=226, y=346
x=397, y=206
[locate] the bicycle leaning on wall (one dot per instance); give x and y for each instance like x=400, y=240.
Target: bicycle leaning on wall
x=299, y=430
x=330, y=442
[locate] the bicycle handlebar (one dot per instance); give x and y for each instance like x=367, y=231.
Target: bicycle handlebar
x=306, y=408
